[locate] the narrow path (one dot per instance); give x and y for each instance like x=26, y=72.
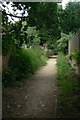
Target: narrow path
x=37, y=98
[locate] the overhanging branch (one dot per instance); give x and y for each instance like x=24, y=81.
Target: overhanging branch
x=16, y=16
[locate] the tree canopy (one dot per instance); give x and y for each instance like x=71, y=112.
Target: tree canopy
x=40, y=22
x=70, y=17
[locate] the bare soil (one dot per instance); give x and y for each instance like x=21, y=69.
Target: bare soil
x=37, y=98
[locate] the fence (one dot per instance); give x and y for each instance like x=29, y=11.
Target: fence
x=74, y=44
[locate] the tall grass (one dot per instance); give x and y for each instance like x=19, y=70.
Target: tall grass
x=67, y=84
x=23, y=63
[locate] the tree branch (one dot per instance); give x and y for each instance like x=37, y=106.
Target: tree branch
x=16, y=16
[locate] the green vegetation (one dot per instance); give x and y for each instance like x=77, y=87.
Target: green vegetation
x=68, y=87
x=62, y=44
x=70, y=17
x=21, y=44
x=23, y=63
x=40, y=24
x=76, y=56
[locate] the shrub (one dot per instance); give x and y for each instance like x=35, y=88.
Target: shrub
x=24, y=62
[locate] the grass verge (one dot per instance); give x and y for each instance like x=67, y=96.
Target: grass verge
x=68, y=89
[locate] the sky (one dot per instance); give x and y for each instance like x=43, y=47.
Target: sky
x=18, y=12
x=64, y=2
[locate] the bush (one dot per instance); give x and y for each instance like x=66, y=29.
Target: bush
x=62, y=44
x=68, y=84
x=76, y=56
x=24, y=62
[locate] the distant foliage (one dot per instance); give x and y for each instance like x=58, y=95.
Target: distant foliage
x=62, y=44
x=32, y=36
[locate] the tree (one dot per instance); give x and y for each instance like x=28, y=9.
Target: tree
x=44, y=16
x=8, y=42
x=70, y=17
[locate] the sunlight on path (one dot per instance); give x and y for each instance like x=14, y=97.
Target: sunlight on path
x=37, y=98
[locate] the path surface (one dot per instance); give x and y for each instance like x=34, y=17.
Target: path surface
x=37, y=98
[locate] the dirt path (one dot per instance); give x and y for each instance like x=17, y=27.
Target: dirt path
x=36, y=99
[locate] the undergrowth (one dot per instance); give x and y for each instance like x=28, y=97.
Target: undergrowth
x=22, y=64
x=68, y=89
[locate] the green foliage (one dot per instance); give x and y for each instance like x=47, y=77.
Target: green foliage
x=24, y=62
x=8, y=43
x=75, y=55
x=19, y=32
x=14, y=35
x=7, y=39
x=70, y=17
x=63, y=67
x=44, y=16
x=67, y=83
x=4, y=17
x=62, y=44
x=32, y=36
